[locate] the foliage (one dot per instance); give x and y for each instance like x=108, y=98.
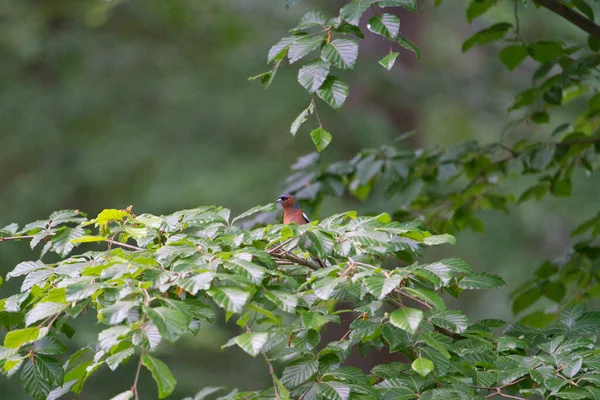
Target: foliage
x=186, y=266
x=447, y=187
x=189, y=268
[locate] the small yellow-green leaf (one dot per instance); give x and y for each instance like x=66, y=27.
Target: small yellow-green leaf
x=423, y=366
x=321, y=138
x=110, y=215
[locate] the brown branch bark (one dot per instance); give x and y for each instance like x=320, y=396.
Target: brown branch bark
x=2, y=239
x=558, y=7
x=298, y=260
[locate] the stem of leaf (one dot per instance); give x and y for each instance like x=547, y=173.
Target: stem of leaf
x=314, y=103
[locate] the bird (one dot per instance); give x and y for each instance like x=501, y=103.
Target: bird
x=292, y=211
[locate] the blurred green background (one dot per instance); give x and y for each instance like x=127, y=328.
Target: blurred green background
x=146, y=103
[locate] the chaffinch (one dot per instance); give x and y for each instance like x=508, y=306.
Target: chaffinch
x=292, y=211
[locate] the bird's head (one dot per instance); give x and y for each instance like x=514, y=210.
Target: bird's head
x=286, y=201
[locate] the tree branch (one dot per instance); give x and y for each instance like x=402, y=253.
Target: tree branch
x=137, y=376
x=2, y=239
x=124, y=245
x=298, y=260
x=558, y=7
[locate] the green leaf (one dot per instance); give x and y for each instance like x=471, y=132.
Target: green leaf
x=407, y=319
x=207, y=391
x=452, y=320
x=313, y=320
x=229, y=298
x=109, y=215
x=573, y=367
x=341, y=53
x=526, y=299
x=296, y=374
x=112, y=336
x=408, y=4
x=281, y=48
x=380, y=286
x=423, y=366
x=301, y=47
x=439, y=239
x=89, y=239
x=49, y=346
x=39, y=374
x=251, y=271
x=573, y=394
x=544, y=51
x=428, y=296
x=538, y=319
x=161, y=374
x=491, y=34
x=571, y=314
x=352, y=11
x=334, y=92
x=349, y=29
x=258, y=209
x=321, y=138
x=63, y=242
x=333, y=390
x=407, y=44
x=35, y=278
x=25, y=268
x=147, y=336
x=512, y=56
x=252, y=343
x=117, y=312
x=478, y=7
x=17, y=338
x=388, y=61
x=312, y=75
x=481, y=281
x=43, y=310
x=171, y=323
x=285, y=301
x=386, y=25
x=123, y=396
x=116, y=359
x=310, y=19
x=587, y=324
x=555, y=291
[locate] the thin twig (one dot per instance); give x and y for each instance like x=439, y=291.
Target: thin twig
x=314, y=103
x=124, y=245
x=518, y=23
x=361, y=263
x=148, y=299
x=279, y=246
x=272, y=372
x=6, y=238
x=498, y=392
x=137, y=375
x=298, y=260
x=110, y=241
x=349, y=330
x=423, y=303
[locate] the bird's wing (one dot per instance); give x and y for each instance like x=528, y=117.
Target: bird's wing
x=305, y=217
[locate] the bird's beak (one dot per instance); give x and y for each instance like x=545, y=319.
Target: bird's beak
x=279, y=201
